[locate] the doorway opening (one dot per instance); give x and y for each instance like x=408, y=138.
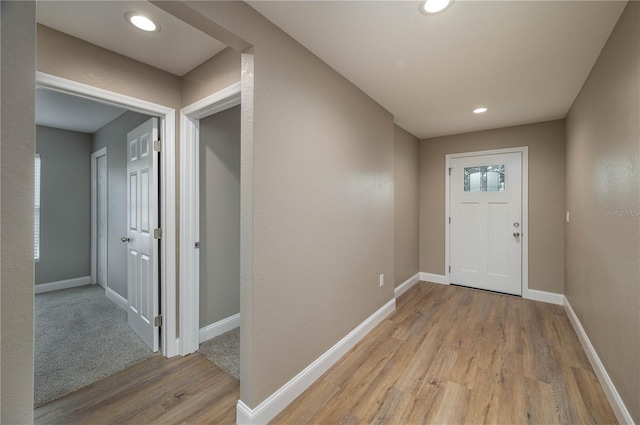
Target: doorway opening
x=191, y=331
x=103, y=284
x=99, y=217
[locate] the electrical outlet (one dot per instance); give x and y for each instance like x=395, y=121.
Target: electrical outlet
x=381, y=280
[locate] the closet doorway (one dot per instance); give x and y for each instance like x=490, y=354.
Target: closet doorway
x=210, y=217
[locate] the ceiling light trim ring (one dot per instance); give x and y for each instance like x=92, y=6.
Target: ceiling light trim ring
x=433, y=7
x=130, y=18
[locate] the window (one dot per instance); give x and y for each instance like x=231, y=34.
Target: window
x=36, y=253
x=489, y=178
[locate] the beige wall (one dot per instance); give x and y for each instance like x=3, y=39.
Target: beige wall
x=65, y=205
x=219, y=216
x=322, y=205
x=68, y=57
x=546, y=196
x=603, y=196
x=17, y=150
x=216, y=74
x=406, y=201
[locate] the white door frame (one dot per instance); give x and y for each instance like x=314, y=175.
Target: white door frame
x=167, y=204
x=94, y=214
x=190, y=210
x=524, y=232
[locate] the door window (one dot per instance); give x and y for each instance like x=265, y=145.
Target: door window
x=487, y=178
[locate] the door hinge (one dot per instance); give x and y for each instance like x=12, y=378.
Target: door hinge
x=449, y=220
x=449, y=269
x=157, y=233
x=157, y=321
x=450, y=168
x=157, y=145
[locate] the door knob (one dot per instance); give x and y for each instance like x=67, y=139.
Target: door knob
x=516, y=234
x=127, y=239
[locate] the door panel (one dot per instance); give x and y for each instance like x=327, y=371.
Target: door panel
x=497, y=239
x=142, y=219
x=145, y=286
x=470, y=229
x=132, y=277
x=144, y=202
x=133, y=201
x=486, y=210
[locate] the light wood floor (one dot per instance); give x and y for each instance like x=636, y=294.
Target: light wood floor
x=180, y=390
x=446, y=355
x=452, y=355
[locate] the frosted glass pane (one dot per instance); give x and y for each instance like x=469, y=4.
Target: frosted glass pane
x=487, y=178
x=474, y=182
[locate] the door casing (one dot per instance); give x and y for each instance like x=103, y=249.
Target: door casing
x=94, y=215
x=524, y=224
x=190, y=209
x=168, y=197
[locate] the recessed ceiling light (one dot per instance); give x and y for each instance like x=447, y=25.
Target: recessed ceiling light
x=429, y=7
x=480, y=110
x=142, y=22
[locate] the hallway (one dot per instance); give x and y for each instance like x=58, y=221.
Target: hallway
x=446, y=355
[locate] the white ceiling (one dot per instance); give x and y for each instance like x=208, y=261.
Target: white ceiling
x=525, y=60
x=59, y=110
x=177, y=48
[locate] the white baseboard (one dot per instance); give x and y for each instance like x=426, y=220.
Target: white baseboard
x=406, y=285
x=544, y=296
x=435, y=278
x=63, y=284
x=277, y=401
x=117, y=298
x=620, y=410
x=218, y=328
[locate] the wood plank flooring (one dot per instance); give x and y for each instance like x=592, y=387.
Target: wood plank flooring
x=180, y=390
x=451, y=355
x=447, y=355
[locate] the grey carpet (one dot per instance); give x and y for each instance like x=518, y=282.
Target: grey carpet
x=224, y=352
x=80, y=337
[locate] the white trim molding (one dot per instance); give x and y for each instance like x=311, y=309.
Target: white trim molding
x=544, y=296
x=277, y=401
x=118, y=299
x=218, y=328
x=620, y=410
x=434, y=278
x=406, y=285
x=63, y=284
x=190, y=116
x=217, y=102
x=168, y=185
x=94, y=212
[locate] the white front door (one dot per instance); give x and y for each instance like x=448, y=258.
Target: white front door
x=101, y=220
x=142, y=219
x=486, y=216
